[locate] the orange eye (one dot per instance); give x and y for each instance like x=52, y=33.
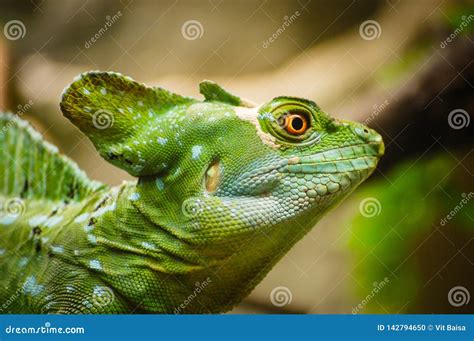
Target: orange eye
x=296, y=124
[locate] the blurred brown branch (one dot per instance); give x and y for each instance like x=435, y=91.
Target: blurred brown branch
x=3, y=74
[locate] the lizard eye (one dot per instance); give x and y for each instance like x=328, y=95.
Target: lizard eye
x=291, y=122
x=295, y=124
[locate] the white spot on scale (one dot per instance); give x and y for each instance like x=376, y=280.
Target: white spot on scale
x=81, y=218
x=196, y=152
x=8, y=219
x=92, y=239
x=149, y=246
x=86, y=92
x=95, y=264
x=134, y=196
x=2, y=252
x=103, y=91
x=23, y=261
x=37, y=220
x=87, y=304
x=31, y=287
x=57, y=249
x=53, y=221
x=162, y=140
x=101, y=292
x=160, y=184
x=105, y=209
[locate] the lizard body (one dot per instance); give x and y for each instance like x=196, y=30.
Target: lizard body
x=224, y=190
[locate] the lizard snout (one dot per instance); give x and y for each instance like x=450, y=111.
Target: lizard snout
x=371, y=137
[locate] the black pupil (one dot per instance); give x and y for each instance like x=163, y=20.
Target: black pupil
x=297, y=123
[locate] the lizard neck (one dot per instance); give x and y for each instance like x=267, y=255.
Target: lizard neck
x=141, y=257
x=156, y=265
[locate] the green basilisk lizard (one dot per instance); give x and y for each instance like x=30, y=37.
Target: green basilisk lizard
x=224, y=189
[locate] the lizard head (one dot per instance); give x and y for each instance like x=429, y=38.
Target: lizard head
x=222, y=164
x=234, y=180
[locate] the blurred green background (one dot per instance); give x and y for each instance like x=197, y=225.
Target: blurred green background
x=404, y=242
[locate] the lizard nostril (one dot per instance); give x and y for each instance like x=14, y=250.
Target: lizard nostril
x=365, y=133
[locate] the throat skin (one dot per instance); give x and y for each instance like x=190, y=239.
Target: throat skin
x=155, y=263
x=178, y=272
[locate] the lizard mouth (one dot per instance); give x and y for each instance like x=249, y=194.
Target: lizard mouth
x=354, y=158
